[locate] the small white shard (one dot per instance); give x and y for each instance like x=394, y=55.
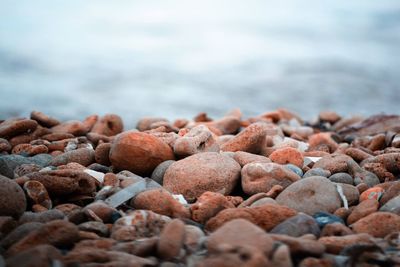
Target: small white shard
x=342, y=196
x=180, y=198
x=99, y=176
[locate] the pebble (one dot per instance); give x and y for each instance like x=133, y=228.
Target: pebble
x=335, y=244
x=196, y=174
x=324, y=218
x=12, y=198
x=199, y=139
x=171, y=240
x=208, y=205
x=294, y=169
x=261, y=177
x=363, y=209
x=59, y=233
x=160, y=201
x=139, y=152
x=287, y=155
x=267, y=216
x=392, y=205
x=249, y=140
x=83, y=156
x=13, y=127
x=244, y=158
x=41, y=255
x=372, y=193
x=108, y=125
x=74, y=127
x=8, y=163
x=297, y=226
x=240, y=232
x=317, y=172
x=300, y=246
x=341, y=177
x=311, y=195
x=44, y=119
x=378, y=224
x=336, y=229
x=37, y=193
x=102, y=154
x=159, y=171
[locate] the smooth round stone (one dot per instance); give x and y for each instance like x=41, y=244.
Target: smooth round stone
x=311, y=195
x=392, y=205
x=139, y=152
x=341, y=177
x=12, y=198
x=317, y=172
x=196, y=174
x=159, y=171
x=297, y=226
x=324, y=218
x=294, y=169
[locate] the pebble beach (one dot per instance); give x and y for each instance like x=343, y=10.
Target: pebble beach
x=267, y=190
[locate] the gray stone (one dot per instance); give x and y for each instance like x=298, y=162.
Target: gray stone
x=341, y=177
x=159, y=171
x=317, y=172
x=297, y=226
x=392, y=205
x=8, y=163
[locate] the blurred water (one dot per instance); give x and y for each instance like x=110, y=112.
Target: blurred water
x=176, y=58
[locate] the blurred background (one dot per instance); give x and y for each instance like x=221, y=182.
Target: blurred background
x=174, y=59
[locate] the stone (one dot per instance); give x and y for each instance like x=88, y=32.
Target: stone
x=208, y=205
x=378, y=224
x=373, y=125
x=363, y=209
x=229, y=124
x=261, y=177
x=334, y=163
x=287, y=155
x=102, y=154
x=74, y=127
x=42, y=217
x=294, y=169
x=263, y=201
x=161, y=202
x=83, y=156
x=59, y=233
x=108, y=125
x=44, y=119
x=37, y=193
x=193, y=238
x=317, y=172
x=311, y=195
x=392, y=205
x=266, y=216
x=29, y=150
x=300, y=246
x=329, y=116
x=12, y=198
x=244, y=158
x=322, y=139
x=15, y=126
x=18, y=233
x=372, y=193
x=198, y=139
x=64, y=182
x=350, y=192
x=196, y=174
x=143, y=247
x=138, y=224
x=239, y=232
x=8, y=163
x=7, y=224
x=335, y=244
x=106, y=213
x=324, y=218
x=341, y=177
x=138, y=152
x=42, y=255
x=159, y=171
x=281, y=257
x=5, y=146
x=98, y=228
x=357, y=154
x=145, y=123
x=249, y=140
x=393, y=190
x=297, y=226
x=336, y=229
x=171, y=240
